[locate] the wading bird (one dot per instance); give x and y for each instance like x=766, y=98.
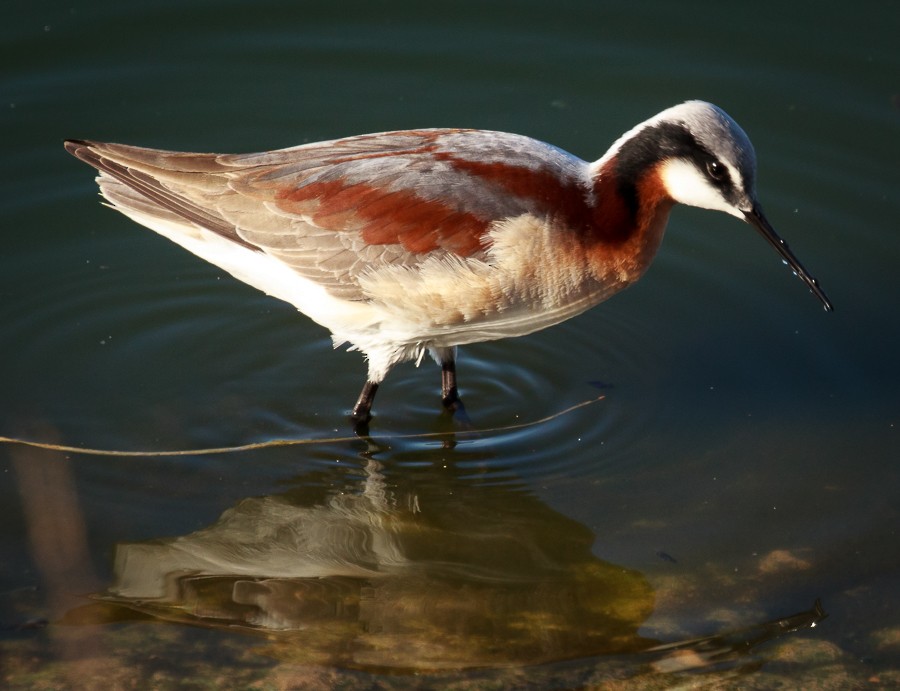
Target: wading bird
x=402, y=243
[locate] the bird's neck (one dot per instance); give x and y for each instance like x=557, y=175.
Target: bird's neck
x=629, y=220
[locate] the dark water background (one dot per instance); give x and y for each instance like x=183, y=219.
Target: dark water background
x=743, y=463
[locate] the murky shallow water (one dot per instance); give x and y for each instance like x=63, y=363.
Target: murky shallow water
x=741, y=463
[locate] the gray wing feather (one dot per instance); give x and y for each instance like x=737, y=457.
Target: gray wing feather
x=236, y=195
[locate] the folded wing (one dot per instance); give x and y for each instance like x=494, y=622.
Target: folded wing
x=335, y=210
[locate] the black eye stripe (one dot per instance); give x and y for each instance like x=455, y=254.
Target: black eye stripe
x=665, y=140
x=668, y=141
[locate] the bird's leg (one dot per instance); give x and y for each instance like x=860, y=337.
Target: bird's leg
x=362, y=411
x=446, y=357
x=449, y=392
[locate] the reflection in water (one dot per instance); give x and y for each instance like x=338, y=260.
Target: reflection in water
x=456, y=573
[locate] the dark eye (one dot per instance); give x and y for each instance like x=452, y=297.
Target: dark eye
x=717, y=171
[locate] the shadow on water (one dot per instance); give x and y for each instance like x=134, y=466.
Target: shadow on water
x=406, y=568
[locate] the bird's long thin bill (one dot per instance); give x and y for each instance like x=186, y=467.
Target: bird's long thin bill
x=756, y=218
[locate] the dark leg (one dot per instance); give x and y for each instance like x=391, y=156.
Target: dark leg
x=449, y=392
x=362, y=410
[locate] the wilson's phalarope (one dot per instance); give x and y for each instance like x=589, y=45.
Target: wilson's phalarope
x=423, y=240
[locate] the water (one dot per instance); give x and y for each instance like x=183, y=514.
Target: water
x=741, y=463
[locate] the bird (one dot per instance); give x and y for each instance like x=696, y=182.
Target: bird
x=415, y=242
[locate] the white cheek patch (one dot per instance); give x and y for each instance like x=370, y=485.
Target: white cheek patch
x=687, y=185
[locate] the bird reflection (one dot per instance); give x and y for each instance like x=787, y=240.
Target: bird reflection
x=414, y=569
x=437, y=570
